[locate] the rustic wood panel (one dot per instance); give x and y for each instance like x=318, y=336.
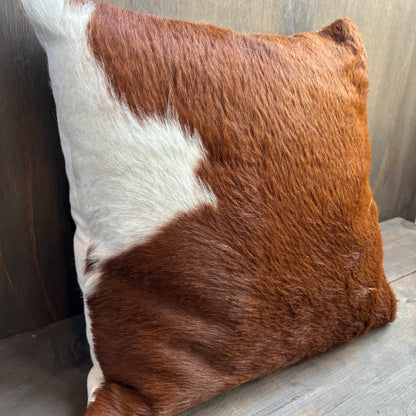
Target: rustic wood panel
x=399, y=258
x=43, y=373
x=37, y=278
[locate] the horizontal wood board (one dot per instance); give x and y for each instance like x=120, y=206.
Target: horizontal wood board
x=43, y=372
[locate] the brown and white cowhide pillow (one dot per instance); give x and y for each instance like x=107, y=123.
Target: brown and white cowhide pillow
x=219, y=184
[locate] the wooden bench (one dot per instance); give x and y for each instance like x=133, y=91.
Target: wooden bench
x=43, y=372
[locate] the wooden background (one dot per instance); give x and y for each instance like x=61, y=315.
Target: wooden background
x=37, y=278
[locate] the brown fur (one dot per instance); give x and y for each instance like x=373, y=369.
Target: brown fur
x=289, y=263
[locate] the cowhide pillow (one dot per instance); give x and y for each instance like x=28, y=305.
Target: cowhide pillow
x=219, y=184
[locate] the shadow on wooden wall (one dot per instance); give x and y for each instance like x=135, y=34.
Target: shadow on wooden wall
x=37, y=277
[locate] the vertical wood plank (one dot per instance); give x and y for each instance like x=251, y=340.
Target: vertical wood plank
x=37, y=276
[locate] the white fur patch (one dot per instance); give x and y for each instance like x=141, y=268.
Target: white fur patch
x=128, y=177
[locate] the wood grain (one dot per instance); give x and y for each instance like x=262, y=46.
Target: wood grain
x=37, y=278
x=43, y=373
x=399, y=259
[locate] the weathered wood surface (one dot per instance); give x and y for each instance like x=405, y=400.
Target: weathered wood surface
x=399, y=244
x=37, y=279
x=43, y=373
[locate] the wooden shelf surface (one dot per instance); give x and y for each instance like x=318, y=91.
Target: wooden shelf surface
x=43, y=372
